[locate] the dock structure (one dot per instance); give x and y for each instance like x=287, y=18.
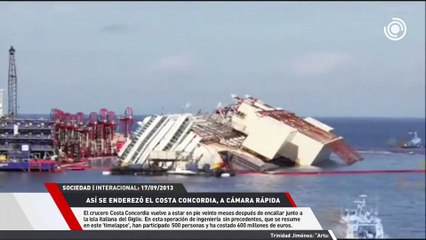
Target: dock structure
x=71, y=137
x=78, y=137
x=248, y=132
x=41, y=165
x=26, y=139
x=26, y=145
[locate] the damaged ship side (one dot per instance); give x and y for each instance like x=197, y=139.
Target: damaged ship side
x=248, y=133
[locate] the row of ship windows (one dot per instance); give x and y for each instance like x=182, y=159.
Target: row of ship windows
x=178, y=134
x=173, y=140
x=147, y=138
x=140, y=131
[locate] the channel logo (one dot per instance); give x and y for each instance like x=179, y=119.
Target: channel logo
x=396, y=29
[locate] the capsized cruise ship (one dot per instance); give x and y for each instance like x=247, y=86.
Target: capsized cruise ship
x=249, y=133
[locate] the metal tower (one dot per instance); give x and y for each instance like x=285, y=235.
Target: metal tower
x=13, y=85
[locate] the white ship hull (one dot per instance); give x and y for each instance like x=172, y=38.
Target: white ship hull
x=249, y=128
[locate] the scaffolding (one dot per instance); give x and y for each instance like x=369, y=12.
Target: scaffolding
x=76, y=138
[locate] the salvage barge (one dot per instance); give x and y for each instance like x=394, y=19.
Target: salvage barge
x=63, y=142
x=245, y=135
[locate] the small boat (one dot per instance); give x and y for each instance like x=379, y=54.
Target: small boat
x=415, y=142
x=225, y=175
x=179, y=171
x=362, y=223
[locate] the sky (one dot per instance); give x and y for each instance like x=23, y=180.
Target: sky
x=312, y=58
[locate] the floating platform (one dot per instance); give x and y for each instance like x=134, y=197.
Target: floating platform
x=28, y=166
x=137, y=171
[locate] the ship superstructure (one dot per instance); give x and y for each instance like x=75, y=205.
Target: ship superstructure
x=26, y=144
x=274, y=132
x=362, y=222
x=249, y=131
x=415, y=142
x=26, y=139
